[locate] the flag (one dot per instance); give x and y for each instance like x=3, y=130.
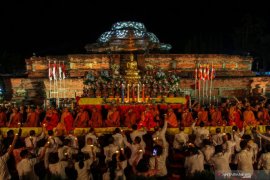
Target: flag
x=50, y=72
x=203, y=74
x=212, y=72
x=54, y=70
x=196, y=73
x=60, y=71
x=206, y=73
x=63, y=70
x=200, y=73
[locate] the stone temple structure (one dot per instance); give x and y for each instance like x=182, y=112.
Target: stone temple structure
x=233, y=72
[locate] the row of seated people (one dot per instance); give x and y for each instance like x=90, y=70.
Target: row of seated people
x=150, y=116
x=139, y=154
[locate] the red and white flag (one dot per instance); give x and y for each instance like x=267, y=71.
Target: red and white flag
x=50, y=75
x=206, y=73
x=212, y=72
x=196, y=73
x=54, y=70
x=200, y=73
x=60, y=71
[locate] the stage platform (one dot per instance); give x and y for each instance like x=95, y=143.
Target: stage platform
x=106, y=130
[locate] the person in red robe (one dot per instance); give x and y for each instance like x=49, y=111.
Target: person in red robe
x=187, y=118
x=249, y=117
x=147, y=119
x=216, y=118
x=81, y=119
x=171, y=118
x=113, y=118
x=32, y=118
x=3, y=117
x=235, y=117
x=67, y=119
x=96, y=118
x=156, y=114
x=15, y=118
x=130, y=118
x=51, y=119
x=202, y=117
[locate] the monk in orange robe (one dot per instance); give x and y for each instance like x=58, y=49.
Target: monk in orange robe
x=51, y=119
x=81, y=119
x=67, y=119
x=216, y=118
x=113, y=118
x=130, y=118
x=263, y=116
x=249, y=118
x=202, y=117
x=187, y=118
x=171, y=118
x=156, y=113
x=32, y=118
x=147, y=119
x=3, y=117
x=96, y=118
x=15, y=118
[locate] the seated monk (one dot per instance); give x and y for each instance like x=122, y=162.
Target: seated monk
x=51, y=119
x=81, y=119
x=15, y=118
x=202, y=117
x=130, y=118
x=67, y=119
x=249, y=118
x=171, y=118
x=96, y=118
x=147, y=119
x=187, y=118
x=216, y=118
x=263, y=116
x=3, y=117
x=32, y=118
x=113, y=118
x=155, y=113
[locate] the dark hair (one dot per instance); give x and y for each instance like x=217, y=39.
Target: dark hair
x=32, y=132
x=53, y=158
x=137, y=139
x=113, y=166
x=50, y=132
x=24, y=153
x=267, y=128
x=142, y=166
x=201, y=124
x=110, y=140
x=206, y=142
x=218, y=149
x=159, y=149
x=235, y=128
x=218, y=130
x=10, y=133
x=66, y=142
x=134, y=127
x=117, y=130
x=81, y=160
x=229, y=136
x=243, y=144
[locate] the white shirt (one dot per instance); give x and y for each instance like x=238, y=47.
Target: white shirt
x=26, y=168
x=84, y=173
x=88, y=149
x=134, y=150
x=208, y=151
x=54, y=143
x=161, y=133
x=244, y=161
x=66, y=149
x=229, y=146
x=221, y=162
x=93, y=137
x=138, y=133
x=194, y=163
x=201, y=134
x=264, y=161
x=161, y=164
x=236, y=137
x=217, y=139
x=58, y=169
x=119, y=172
x=180, y=138
x=74, y=140
x=34, y=140
x=4, y=173
x=118, y=139
x=109, y=151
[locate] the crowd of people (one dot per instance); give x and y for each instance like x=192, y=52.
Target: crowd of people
x=57, y=153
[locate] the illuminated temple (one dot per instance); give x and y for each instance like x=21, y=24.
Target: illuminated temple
x=129, y=53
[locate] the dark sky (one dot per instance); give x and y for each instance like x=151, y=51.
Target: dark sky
x=206, y=26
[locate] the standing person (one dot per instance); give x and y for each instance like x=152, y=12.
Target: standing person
x=244, y=159
x=194, y=162
x=201, y=133
x=4, y=172
x=15, y=118
x=264, y=160
x=32, y=118
x=32, y=139
x=136, y=147
x=180, y=139
x=171, y=118
x=51, y=119
x=158, y=161
x=83, y=167
x=81, y=119
x=221, y=160
x=140, y=133
x=3, y=117
x=67, y=119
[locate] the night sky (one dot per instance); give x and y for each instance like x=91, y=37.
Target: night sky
x=52, y=27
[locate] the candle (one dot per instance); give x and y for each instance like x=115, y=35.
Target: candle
x=123, y=93
x=128, y=93
x=133, y=93
x=138, y=93
x=143, y=93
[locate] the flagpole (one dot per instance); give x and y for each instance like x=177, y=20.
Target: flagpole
x=206, y=83
x=60, y=83
x=50, y=79
x=195, y=94
x=64, y=79
x=203, y=84
x=211, y=83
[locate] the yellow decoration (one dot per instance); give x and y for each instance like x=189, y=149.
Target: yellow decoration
x=90, y=101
